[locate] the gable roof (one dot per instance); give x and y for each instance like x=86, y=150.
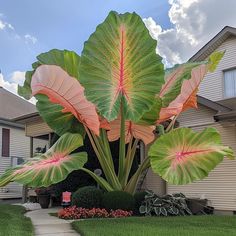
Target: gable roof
x=13, y=106
x=213, y=44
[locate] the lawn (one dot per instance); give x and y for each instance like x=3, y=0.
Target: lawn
x=155, y=226
x=13, y=222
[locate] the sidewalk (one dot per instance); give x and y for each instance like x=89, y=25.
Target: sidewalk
x=46, y=225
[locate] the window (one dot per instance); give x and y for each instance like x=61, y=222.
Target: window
x=5, y=142
x=230, y=83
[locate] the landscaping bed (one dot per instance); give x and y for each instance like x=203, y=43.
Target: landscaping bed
x=13, y=222
x=158, y=226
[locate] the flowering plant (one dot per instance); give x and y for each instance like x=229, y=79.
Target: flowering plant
x=74, y=212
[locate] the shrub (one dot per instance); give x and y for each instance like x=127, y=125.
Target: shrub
x=168, y=205
x=74, y=212
x=118, y=200
x=87, y=197
x=139, y=197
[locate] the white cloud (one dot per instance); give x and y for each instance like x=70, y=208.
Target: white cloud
x=16, y=78
x=195, y=22
x=5, y=25
x=30, y=39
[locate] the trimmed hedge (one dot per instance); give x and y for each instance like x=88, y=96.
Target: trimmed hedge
x=87, y=197
x=118, y=200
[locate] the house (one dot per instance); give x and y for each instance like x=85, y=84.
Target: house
x=217, y=108
x=14, y=145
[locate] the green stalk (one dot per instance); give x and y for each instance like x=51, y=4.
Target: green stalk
x=101, y=181
x=122, y=143
x=108, y=171
x=131, y=186
x=129, y=160
x=107, y=148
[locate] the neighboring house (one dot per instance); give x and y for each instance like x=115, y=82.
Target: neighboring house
x=217, y=108
x=14, y=145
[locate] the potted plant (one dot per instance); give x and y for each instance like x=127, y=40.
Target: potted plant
x=43, y=197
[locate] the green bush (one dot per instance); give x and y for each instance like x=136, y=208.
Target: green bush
x=87, y=197
x=118, y=200
x=139, y=197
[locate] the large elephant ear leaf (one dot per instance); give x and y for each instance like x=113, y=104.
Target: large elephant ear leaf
x=119, y=60
x=52, y=167
x=183, y=156
x=65, y=90
x=179, y=74
x=60, y=122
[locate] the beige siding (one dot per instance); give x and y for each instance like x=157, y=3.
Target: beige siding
x=212, y=86
x=220, y=186
x=201, y=116
x=154, y=183
x=19, y=147
x=37, y=128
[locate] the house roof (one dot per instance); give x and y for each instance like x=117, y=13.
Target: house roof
x=13, y=106
x=213, y=44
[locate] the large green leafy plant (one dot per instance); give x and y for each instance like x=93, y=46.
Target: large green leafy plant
x=118, y=90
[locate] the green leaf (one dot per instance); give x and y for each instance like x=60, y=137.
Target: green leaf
x=51, y=167
x=214, y=60
x=67, y=60
x=60, y=112
x=175, y=76
x=25, y=90
x=151, y=116
x=183, y=156
x=119, y=60
x=58, y=121
x=172, y=88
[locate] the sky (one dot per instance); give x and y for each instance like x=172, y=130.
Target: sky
x=28, y=28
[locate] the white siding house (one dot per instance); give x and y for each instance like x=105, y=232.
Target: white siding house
x=14, y=145
x=217, y=108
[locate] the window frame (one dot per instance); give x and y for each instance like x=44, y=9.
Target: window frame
x=224, y=91
x=5, y=142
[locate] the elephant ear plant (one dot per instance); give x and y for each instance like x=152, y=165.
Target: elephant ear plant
x=118, y=90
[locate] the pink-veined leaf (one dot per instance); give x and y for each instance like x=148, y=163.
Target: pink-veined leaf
x=142, y=132
x=66, y=91
x=187, y=97
x=52, y=166
x=179, y=92
x=119, y=61
x=183, y=156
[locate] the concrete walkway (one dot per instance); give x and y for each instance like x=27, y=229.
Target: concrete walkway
x=46, y=225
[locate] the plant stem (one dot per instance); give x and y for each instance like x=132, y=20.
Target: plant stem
x=129, y=160
x=131, y=186
x=171, y=125
x=108, y=171
x=102, y=182
x=122, y=143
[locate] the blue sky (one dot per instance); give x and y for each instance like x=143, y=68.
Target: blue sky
x=32, y=27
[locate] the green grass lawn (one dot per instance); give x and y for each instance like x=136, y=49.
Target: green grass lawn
x=13, y=222
x=155, y=226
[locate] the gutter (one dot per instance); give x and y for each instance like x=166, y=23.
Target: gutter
x=11, y=123
x=226, y=116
